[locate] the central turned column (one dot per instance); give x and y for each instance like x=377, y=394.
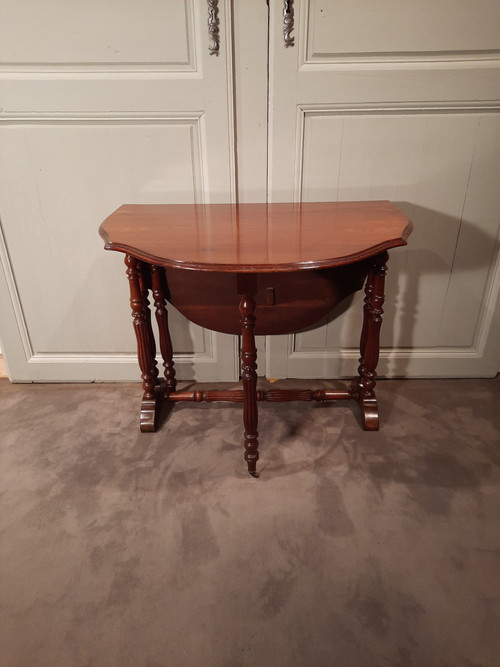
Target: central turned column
x=249, y=370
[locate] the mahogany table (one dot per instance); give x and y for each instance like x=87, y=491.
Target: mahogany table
x=254, y=269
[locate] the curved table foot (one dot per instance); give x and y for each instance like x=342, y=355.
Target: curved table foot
x=148, y=414
x=368, y=405
x=369, y=413
x=150, y=408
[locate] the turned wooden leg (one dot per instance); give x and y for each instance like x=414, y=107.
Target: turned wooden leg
x=145, y=285
x=146, y=350
x=363, y=388
x=162, y=320
x=249, y=380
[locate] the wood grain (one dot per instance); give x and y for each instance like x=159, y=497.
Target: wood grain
x=299, y=298
x=255, y=237
x=254, y=268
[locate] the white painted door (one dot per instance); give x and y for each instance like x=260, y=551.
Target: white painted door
x=114, y=102
x=399, y=101
x=103, y=103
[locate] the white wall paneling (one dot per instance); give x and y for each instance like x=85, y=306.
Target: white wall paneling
x=103, y=104
x=399, y=103
x=349, y=31
x=111, y=103
x=116, y=35
x=62, y=277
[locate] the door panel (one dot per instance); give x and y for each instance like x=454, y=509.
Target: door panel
x=443, y=167
x=60, y=241
x=358, y=29
x=106, y=103
x=111, y=104
x=367, y=105
x=64, y=34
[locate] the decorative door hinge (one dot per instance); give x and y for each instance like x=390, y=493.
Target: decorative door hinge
x=213, y=27
x=288, y=23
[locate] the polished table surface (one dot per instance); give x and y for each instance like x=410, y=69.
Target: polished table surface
x=255, y=237
x=254, y=269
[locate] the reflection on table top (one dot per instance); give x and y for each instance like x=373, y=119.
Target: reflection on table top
x=249, y=238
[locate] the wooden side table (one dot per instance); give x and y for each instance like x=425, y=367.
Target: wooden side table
x=253, y=269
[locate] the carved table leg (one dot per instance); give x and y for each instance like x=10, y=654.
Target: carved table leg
x=162, y=320
x=249, y=380
x=363, y=387
x=146, y=351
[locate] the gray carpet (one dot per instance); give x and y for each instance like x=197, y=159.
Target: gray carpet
x=352, y=549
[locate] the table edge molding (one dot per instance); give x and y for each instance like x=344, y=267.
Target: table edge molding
x=258, y=268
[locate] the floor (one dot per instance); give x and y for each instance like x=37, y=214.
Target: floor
x=352, y=549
